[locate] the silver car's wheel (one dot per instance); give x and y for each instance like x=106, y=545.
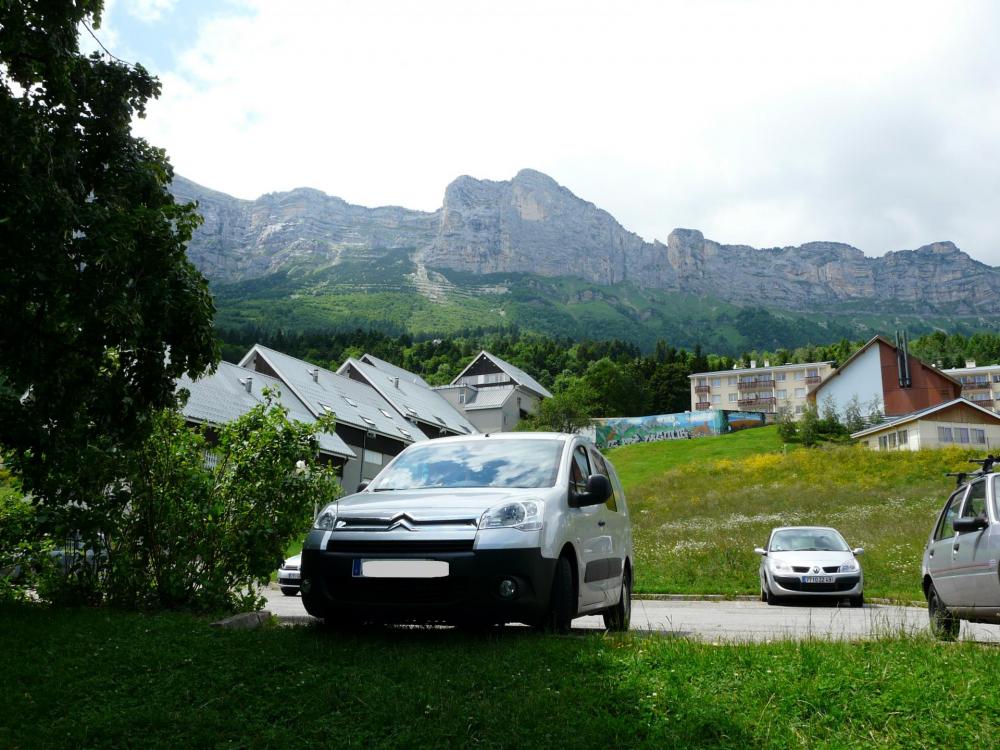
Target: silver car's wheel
x=944, y=625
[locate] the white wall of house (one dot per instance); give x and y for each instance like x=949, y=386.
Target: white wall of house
x=926, y=433
x=861, y=378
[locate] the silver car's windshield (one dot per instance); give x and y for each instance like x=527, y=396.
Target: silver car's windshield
x=478, y=463
x=801, y=540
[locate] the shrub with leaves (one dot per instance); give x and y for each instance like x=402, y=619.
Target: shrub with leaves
x=201, y=524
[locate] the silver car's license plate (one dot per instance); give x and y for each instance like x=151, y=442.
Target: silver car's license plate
x=818, y=579
x=400, y=568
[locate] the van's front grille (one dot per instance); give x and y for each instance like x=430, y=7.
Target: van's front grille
x=399, y=546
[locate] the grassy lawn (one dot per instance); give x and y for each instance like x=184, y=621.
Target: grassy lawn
x=99, y=679
x=701, y=506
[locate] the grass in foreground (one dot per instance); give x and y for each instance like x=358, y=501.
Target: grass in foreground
x=99, y=679
x=699, y=512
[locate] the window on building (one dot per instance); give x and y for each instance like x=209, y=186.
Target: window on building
x=373, y=457
x=732, y=380
x=883, y=442
x=812, y=372
x=978, y=436
x=944, y=435
x=800, y=393
x=702, y=381
x=716, y=399
x=779, y=376
x=892, y=439
x=904, y=438
x=782, y=393
x=734, y=397
x=716, y=382
x=961, y=434
x=798, y=408
x=799, y=374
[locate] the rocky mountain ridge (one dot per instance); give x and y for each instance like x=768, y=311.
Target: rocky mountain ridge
x=531, y=224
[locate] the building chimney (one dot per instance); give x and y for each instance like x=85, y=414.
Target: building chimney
x=753, y=364
x=767, y=363
x=315, y=374
x=970, y=363
x=248, y=384
x=395, y=381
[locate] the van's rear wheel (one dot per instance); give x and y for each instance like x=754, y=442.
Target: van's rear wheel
x=619, y=617
x=944, y=625
x=562, y=602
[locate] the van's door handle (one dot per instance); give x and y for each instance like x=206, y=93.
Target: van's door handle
x=601, y=523
x=955, y=548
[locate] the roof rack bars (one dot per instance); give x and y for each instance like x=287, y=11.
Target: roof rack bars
x=986, y=464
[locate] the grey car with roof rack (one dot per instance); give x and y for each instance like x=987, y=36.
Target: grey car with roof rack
x=484, y=529
x=961, y=576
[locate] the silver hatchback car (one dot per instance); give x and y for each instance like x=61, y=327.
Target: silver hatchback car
x=960, y=572
x=810, y=561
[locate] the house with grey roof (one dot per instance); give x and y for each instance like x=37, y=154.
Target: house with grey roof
x=366, y=422
x=395, y=370
x=411, y=397
x=494, y=394
x=227, y=394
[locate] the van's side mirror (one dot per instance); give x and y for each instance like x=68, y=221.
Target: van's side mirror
x=858, y=551
x=963, y=525
x=760, y=551
x=598, y=491
x=362, y=486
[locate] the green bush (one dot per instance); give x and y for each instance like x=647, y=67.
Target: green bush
x=181, y=534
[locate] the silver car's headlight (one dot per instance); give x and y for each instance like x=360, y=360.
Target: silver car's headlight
x=850, y=566
x=327, y=518
x=524, y=515
x=780, y=565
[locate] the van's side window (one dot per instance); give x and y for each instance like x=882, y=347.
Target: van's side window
x=579, y=471
x=602, y=468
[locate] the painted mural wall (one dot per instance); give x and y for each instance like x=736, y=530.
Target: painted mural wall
x=617, y=431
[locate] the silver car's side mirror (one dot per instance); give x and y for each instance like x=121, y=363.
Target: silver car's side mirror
x=760, y=551
x=858, y=551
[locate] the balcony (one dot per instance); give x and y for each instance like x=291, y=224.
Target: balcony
x=701, y=405
x=981, y=398
x=756, y=384
x=703, y=389
x=765, y=403
x=813, y=379
x=975, y=385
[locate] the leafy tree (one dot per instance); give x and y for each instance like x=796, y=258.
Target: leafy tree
x=808, y=427
x=569, y=409
x=788, y=431
x=101, y=310
x=853, y=420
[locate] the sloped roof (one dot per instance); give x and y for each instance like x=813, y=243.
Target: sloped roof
x=411, y=399
x=488, y=398
x=914, y=416
x=222, y=397
x=394, y=370
x=353, y=403
x=859, y=352
x=516, y=374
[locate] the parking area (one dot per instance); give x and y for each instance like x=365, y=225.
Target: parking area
x=740, y=620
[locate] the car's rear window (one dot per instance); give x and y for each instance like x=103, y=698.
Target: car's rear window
x=476, y=463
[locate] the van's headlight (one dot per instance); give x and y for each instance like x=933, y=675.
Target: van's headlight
x=327, y=518
x=525, y=515
x=780, y=565
x=850, y=566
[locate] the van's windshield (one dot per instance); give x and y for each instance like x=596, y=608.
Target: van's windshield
x=476, y=463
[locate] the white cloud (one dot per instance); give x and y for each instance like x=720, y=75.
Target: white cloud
x=767, y=123
x=149, y=11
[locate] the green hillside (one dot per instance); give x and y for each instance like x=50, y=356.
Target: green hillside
x=699, y=507
x=383, y=290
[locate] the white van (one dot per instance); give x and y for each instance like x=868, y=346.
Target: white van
x=510, y=527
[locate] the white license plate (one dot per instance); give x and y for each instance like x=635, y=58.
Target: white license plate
x=818, y=579
x=400, y=568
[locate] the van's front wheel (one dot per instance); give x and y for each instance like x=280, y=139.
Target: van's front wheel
x=562, y=602
x=619, y=617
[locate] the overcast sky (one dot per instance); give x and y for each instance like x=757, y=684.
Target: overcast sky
x=762, y=122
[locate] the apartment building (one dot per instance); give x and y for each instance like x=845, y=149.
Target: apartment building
x=980, y=385
x=767, y=389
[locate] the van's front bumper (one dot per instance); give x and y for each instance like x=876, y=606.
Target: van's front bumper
x=844, y=585
x=473, y=591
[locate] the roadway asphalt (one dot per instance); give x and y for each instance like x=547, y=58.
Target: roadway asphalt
x=741, y=621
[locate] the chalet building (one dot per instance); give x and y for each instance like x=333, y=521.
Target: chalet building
x=958, y=422
x=366, y=422
x=980, y=385
x=410, y=396
x=885, y=373
x=493, y=394
x=770, y=389
x=230, y=392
